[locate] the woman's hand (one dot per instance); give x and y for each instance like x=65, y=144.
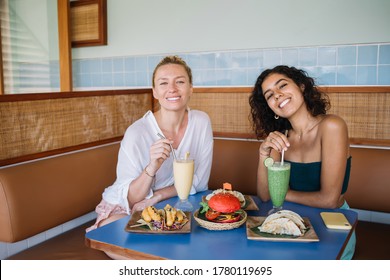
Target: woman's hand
x=141, y=205
x=275, y=140
x=159, y=152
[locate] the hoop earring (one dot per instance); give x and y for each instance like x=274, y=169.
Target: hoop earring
x=276, y=117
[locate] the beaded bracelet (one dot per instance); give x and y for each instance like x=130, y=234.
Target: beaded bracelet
x=147, y=173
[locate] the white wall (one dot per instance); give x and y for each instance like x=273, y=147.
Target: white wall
x=153, y=26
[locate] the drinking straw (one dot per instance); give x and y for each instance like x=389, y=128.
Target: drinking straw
x=187, y=155
x=173, y=151
x=282, y=161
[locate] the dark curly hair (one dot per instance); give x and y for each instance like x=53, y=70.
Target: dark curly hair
x=263, y=118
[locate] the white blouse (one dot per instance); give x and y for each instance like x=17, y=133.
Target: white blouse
x=134, y=156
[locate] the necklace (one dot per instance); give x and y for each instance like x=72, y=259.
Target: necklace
x=300, y=134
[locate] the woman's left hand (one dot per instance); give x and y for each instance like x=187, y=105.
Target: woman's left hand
x=141, y=205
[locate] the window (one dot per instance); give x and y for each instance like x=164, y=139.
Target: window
x=29, y=37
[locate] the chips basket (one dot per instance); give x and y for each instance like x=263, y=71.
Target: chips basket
x=219, y=226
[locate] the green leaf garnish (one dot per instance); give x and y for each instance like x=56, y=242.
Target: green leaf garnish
x=205, y=207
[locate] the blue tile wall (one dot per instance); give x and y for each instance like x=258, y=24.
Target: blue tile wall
x=329, y=65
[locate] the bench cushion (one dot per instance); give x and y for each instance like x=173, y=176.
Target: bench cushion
x=40, y=195
x=236, y=162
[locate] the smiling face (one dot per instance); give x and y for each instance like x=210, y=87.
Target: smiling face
x=282, y=94
x=172, y=86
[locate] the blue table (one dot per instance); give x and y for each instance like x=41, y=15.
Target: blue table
x=203, y=244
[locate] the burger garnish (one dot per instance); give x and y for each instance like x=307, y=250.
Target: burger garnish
x=222, y=208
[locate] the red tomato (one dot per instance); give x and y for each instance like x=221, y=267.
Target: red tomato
x=212, y=215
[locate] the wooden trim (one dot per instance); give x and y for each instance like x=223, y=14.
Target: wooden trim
x=327, y=89
x=70, y=94
x=1, y=65
x=83, y=37
x=56, y=95
x=356, y=89
x=64, y=43
x=353, y=141
x=223, y=89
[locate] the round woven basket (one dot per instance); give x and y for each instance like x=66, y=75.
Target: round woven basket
x=219, y=226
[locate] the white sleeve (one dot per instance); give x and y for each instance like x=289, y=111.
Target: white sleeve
x=131, y=161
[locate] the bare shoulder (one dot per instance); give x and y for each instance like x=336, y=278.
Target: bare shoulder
x=333, y=123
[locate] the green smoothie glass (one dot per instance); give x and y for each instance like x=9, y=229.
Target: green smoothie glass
x=278, y=181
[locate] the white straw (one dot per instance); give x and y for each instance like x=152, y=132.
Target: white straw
x=282, y=161
x=173, y=151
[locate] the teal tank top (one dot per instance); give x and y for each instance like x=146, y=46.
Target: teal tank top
x=305, y=177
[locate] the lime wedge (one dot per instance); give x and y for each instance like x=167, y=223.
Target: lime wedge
x=268, y=161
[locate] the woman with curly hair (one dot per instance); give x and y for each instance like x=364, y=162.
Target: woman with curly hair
x=290, y=113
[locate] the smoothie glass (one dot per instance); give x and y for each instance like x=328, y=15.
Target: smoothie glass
x=278, y=181
x=183, y=172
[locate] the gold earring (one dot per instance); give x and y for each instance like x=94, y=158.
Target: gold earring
x=276, y=117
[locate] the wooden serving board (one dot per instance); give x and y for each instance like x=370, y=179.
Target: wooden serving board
x=253, y=233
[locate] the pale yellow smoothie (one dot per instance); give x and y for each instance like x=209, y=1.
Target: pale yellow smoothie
x=183, y=172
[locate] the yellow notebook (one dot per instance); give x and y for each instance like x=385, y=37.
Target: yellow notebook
x=335, y=220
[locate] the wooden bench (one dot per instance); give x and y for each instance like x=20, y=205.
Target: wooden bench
x=55, y=190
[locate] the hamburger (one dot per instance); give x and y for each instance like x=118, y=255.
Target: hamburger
x=222, y=207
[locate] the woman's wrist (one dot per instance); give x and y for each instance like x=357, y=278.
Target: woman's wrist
x=264, y=155
x=148, y=173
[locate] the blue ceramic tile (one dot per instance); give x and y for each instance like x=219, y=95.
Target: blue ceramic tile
x=118, y=79
x=95, y=66
x=311, y=71
x=239, y=77
x=85, y=66
x=141, y=79
x=367, y=55
x=346, y=55
x=255, y=59
x=196, y=77
x=326, y=56
x=290, y=57
x=326, y=75
x=223, y=77
x=346, y=75
x=107, y=80
x=118, y=64
x=206, y=78
x=384, y=54
x=153, y=61
x=209, y=77
x=130, y=79
x=384, y=75
x=107, y=65
x=201, y=60
x=239, y=59
x=76, y=68
x=96, y=79
x=223, y=60
x=85, y=80
x=366, y=75
x=308, y=57
x=129, y=64
x=141, y=64
x=272, y=58
x=253, y=74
